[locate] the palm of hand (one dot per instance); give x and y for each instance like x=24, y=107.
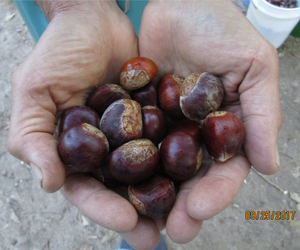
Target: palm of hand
x=188, y=37
x=75, y=53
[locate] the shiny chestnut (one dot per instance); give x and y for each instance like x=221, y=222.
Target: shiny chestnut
x=76, y=115
x=104, y=175
x=122, y=122
x=134, y=161
x=83, y=148
x=168, y=90
x=154, y=197
x=200, y=94
x=146, y=95
x=137, y=72
x=154, y=124
x=187, y=126
x=223, y=134
x=180, y=156
x=104, y=95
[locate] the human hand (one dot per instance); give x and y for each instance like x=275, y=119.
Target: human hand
x=189, y=36
x=85, y=44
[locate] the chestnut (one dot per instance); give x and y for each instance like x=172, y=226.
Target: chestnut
x=104, y=175
x=168, y=90
x=187, y=126
x=223, y=134
x=76, y=115
x=180, y=156
x=134, y=161
x=154, y=124
x=200, y=94
x=104, y=95
x=146, y=95
x=122, y=122
x=137, y=72
x=154, y=197
x=83, y=148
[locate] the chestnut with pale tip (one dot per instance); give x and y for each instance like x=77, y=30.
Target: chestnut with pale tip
x=83, y=148
x=122, y=122
x=134, y=161
x=104, y=95
x=154, y=197
x=76, y=115
x=200, y=94
x=180, y=156
x=154, y=124
x=223, y=134
x=168, y=90
x=137, y=72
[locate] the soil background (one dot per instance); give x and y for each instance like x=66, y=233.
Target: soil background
x=31, y=219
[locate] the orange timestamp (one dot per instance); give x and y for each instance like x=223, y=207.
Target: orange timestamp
x=270, y=215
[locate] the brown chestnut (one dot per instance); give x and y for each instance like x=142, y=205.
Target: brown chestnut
x=104, y=95
x=134, y=161
x=223, y=134
x=122, y=122
x=83, y=148
x=180, y=156
x=154, y=124
x=154, y=197
x=168, y=90
x=200, y=94
x=137, y=72
x=146, y=95
x=187, y=126
x=104, y=175
x=76, y=115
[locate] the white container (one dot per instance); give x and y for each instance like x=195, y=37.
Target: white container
x=273, y=22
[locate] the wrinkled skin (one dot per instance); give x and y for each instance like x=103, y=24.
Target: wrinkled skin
x=86, y=44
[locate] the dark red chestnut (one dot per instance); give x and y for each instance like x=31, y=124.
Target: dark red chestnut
x=83, y=148
x=137, y=72
x=223, y=134
x=134, y=161
x=104, y=175
x=104, y=95
x=168, y=90
x=76, y=115
x=146, y=95
x=154, y=197
x=180, y=156
x=154, y=124
x=122, y=122
x=186, y=126
x=200, y=94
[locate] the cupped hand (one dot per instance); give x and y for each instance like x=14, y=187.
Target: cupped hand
x=214, y=36
x=85, y=44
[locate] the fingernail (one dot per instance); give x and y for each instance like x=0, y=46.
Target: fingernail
x=277, y=158
x=37, y=173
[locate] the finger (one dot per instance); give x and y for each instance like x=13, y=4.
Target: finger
x=216, y=190
x=145, y=235
x=99, y=204
x=261, y=110
x=160, y=223
x=181, y=227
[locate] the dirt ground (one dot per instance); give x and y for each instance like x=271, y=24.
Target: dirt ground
x=32, y=219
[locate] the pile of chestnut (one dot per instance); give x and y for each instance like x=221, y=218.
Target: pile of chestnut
x=146, y=136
